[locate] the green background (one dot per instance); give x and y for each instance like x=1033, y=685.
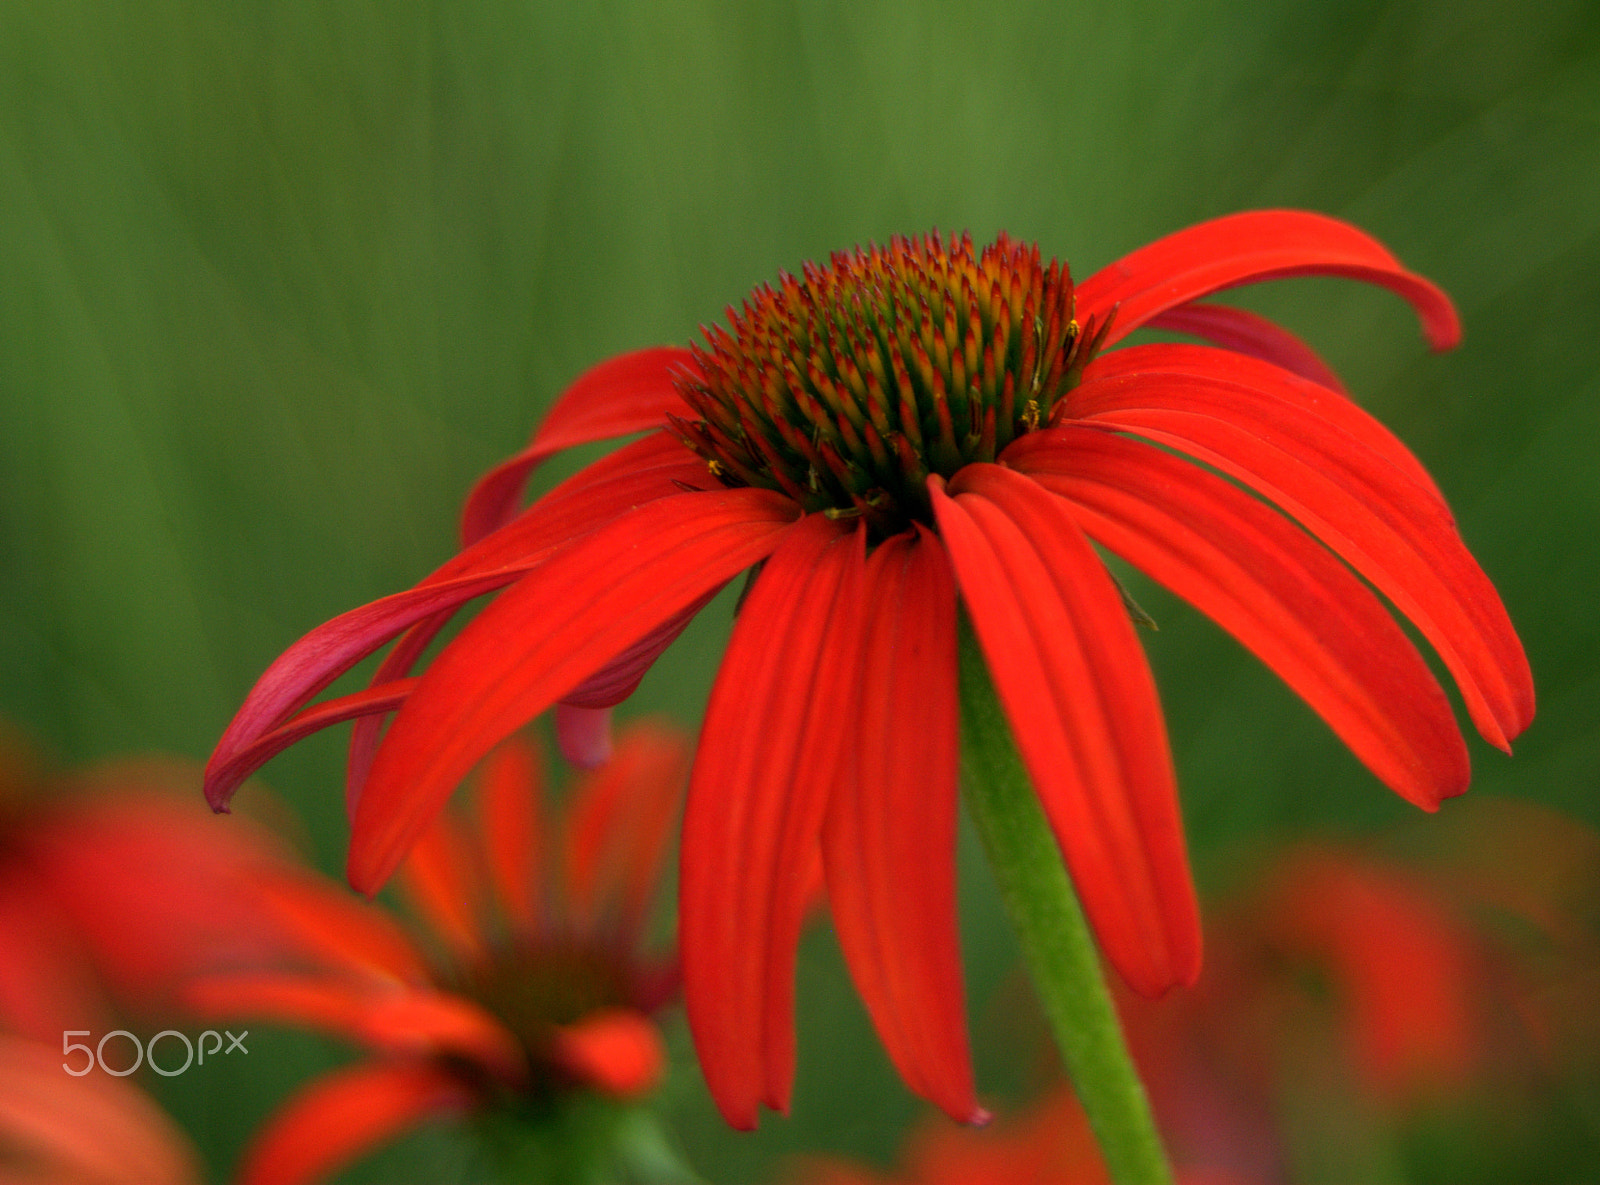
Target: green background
x=279, y=279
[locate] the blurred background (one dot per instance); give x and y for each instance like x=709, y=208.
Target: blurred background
x=279, y=278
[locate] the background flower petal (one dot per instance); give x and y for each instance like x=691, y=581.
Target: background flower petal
x=619, y=823
x=345, y=1113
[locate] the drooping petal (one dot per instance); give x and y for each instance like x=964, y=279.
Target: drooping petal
x=889, y=839
x=596, y=496
x=550, y=631
x=618, y=826
x=1214, y=366
x=650, y=468
x=629, y=393
x=1272, y=432
x=654, y=466
x=771, y=745
x=616, y=681
x=1083, y=709
x=1249, y=333
x=1260, y=577
x=512, y=830
x=226, y=773
x=346, y=1113
x=1248, y=248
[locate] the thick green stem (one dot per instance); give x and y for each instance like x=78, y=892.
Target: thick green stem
x=1052, y=931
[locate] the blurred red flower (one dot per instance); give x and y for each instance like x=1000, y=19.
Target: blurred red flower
x=1349, y=989
x=525, y=974
x=115, y=886
x=875, y=436
x=113, y=889
x=82, y=1131
x=1050, y=1143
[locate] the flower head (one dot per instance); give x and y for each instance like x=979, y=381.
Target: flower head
x=527, y=978
x=881, y=436
x=847, y=388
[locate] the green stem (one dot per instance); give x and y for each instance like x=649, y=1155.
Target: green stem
x=1054, y=935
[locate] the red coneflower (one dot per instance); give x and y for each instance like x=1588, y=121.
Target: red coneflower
x=531, y=978
x=878, y=435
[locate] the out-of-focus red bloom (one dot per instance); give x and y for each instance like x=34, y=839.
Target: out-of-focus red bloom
x=877, y=435
x=115, y=885
x=1049, y=1144
x=113, y=889
x=527, y=973
x=1371, y=982
x=97, y=1130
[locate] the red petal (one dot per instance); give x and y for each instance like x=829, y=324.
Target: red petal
x=226, y=771
x=345, y=1113
x=557, y=626
x=1263, y=580
x=597, y=495
x=94, y=1130
x=616, y=1050
x=327, y=926
x=1291, y=444
x=416, y=1022
x=616, y=681
x=639, y=472
x=45, y=984
x=1227, y=366
x=1247, y=248
x=510, y=802
x=655, y=466
x=1249, y=333
x=768, y=755
x=1407, y=970
x=1078, y=692
x=629, y=393
x=889, y=841
x=618, y=825
x=441, y=880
